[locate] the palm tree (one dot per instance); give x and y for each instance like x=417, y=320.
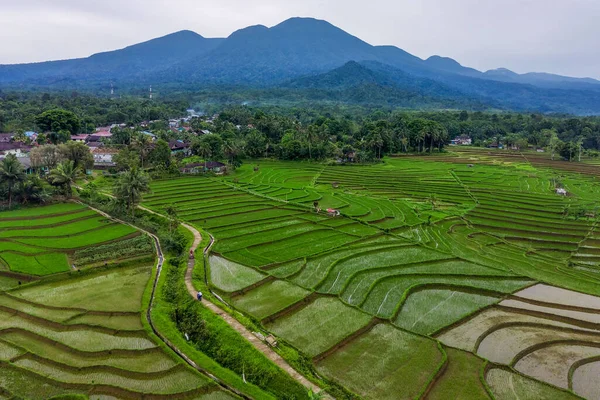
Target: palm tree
x=130, y=187
x=143, y=144
x=173, y=218
x=65, y=174
x=204, y=150
x=11, y=174
x=33, y=190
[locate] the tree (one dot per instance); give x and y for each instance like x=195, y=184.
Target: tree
x=77, y=152
x=173, y=217
x=58, y=120
x=161, y=154
x=33, y=190
x=143, y=144
x=255, y=143
x=46, y=156
x=64, y=175
x=130, y=187
x=126, y=159
x=203, y=149
x=11, y=174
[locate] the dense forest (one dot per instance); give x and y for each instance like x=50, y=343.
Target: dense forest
x=318, y=132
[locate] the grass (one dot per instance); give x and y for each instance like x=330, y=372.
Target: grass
x=29, y=212
x=39, y=241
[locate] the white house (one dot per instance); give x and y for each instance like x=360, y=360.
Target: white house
x=103, y=157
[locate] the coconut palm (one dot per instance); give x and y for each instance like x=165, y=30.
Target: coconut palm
x=173, y=218
x=33, y=190
x=143, y=144
x=65, y=174
x=11, y=174
x=130, y=187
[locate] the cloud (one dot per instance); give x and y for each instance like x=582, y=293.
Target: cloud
x=523, y=35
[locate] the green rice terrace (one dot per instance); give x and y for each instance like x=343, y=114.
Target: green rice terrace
x=462, y=275
x=455, y=276
x=72, y=290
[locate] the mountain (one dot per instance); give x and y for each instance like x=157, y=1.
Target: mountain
x=307, y=55
x=449, y=65
x=542, y=79
x=133, y=61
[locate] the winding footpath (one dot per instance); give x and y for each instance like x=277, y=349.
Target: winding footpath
x=159, y=265
x=231, y=321
x=234, y=323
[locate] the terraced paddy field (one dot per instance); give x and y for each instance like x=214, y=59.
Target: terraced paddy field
x=458, y=276
x=60, y=237
x=82, y=332
x=84, y=335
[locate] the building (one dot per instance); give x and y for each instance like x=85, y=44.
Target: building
x=103, y=157
x=79, y=138
x=179, y=147
x=94, y=141
x=17, y=148
x=6, y=137
x=462, y=140
x=561, y=191
x=202, y=168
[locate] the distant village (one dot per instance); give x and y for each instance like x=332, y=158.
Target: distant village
x=103, y=149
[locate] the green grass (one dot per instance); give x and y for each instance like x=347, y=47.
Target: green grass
x=319, y=326
x=72, y=228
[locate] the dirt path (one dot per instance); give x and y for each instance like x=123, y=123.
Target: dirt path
x=159, y=265
x=234, y=323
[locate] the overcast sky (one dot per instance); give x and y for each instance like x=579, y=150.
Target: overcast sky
x=559, y=36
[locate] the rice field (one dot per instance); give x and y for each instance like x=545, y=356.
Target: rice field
x=439, y=274
x=83, y=335
x=47, y=240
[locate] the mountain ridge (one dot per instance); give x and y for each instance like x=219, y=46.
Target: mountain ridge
x=260, y=56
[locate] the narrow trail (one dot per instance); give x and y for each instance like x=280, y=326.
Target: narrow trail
x=159, y=265
x=234, y=323
x=231, y=321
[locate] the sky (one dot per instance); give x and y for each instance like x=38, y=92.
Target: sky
x=557, y=36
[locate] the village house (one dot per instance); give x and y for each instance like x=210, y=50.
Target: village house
x=201, y=168
x=79, y=138
x=94, y=141
x=179, y=147
x=462, y=140
x=103, y=157
x=17, y=148
x=6, y=137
